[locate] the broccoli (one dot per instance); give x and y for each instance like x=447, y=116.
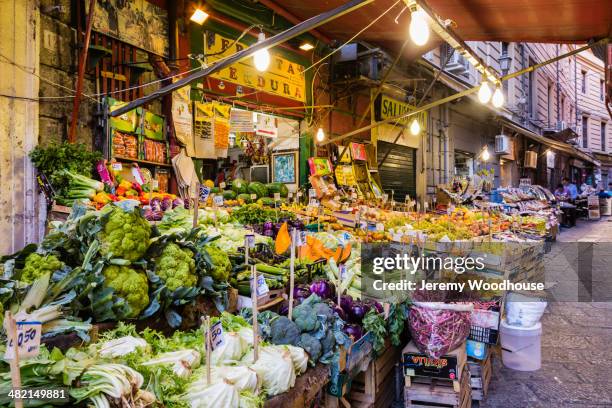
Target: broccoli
x=221, y=265
x=305, y=317
x=328, y=342
x=37, y=265
x=129, y=284
x=323, y=309
x=125, y=233
x=284, y=331
x=176, y=267
x=311, y=345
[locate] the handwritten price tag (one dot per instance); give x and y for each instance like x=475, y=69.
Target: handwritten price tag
x=276, y=196
x=117, y=166
x=262, y=286
x=216, y=334
x=300, y=239
x=249, y=241
x=204, y=193
x=342, y=271
x=222, y=186
x=312, y=193
x=28, y=341
x=253, y=196
x=154, y=184
x=218, y=200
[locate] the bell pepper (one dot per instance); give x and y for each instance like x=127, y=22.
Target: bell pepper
x=126, y=185
x=101, y=198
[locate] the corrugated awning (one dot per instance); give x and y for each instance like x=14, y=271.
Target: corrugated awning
x=563, y=147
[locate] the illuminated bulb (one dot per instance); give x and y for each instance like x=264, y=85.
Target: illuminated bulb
x=306, y=46
x=415, y=128
x=320, y=135
x=498, y=98
x=485, y=154
x=419, y=30
x=261, y=58
x=199, y=16
x=484, y=93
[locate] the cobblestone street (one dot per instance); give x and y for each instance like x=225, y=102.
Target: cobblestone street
x=576, y=341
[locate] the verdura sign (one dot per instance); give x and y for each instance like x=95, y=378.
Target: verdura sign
x=389, y=108
x=283, y=78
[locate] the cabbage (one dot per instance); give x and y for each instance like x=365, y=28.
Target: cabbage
x=249, y=399
x=246, y=333
x=274, y=368
x=232, y=349
x=220, y=394
x=298, y=357
x=243, y=378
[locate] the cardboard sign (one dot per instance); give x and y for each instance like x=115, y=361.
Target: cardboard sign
x=28, y=340
x=216, y=334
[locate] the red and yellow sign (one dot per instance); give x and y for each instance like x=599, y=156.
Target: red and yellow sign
x=283, y=78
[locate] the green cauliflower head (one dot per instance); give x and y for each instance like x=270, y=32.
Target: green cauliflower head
x=129, y=284
x=176, y=267
x=221, y=264
x=37, y=265
x=125, y=234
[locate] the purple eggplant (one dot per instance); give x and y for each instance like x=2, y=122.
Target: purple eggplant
x=346, y=303
x=358, y=311
x=324, y=289
x=354, y=331
x=338, y=310
x=372, y=304
x=301, y=291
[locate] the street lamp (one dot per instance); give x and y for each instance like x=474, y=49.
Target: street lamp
x=484, y=93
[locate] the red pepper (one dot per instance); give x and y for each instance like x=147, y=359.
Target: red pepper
x=136, y=187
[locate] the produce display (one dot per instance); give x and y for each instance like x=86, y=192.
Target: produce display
x=143, y=269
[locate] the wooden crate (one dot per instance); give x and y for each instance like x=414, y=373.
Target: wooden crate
x=480, y=373
x=375, y=387
x=447, y=367
x=427, y=392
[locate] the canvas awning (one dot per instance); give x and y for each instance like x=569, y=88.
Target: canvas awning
x=560, y=146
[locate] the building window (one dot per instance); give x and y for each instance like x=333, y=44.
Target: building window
x=531, y=91
x=550, y=101
x=583, y=81
x=504, y=49
x=602, y=92
x=585, y=131
x=603, y=136
x=562, y=109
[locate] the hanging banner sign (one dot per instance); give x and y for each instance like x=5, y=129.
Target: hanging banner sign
x=266, y=126
x=388, y=108
x=241, y=121
x=283, y=78
x=182, y=118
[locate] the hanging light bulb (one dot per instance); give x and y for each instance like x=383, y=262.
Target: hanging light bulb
x=320, y=135
x=261, y=58
x=415, y=128
x=418, y=30
x=485, y=154
x=498, y=98
x=484, y=93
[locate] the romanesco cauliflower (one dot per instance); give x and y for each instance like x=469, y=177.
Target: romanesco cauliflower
x=221, y=264
x=37, y=265
x=129, y=284
x=176, y=267
x=125, y=234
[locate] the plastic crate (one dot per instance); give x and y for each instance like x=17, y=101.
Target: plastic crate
x=483, y=334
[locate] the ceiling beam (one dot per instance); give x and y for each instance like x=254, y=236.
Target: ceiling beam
x=292, y=19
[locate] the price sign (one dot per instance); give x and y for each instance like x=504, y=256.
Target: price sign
x=253, y=196
x=154, y=184
x=28, y=341
x=300, y=238
x=426, y=205
x=312, y=192
x=276, y=196
x=222, y=185
x=216, y=334
x=385, y=197
x=249, y=241
x=218, y=200
x=204, y=193
x=313, y=202
x=299, y=193
x=342, y=271
x=262, y=286
x=380, y=226
x=290, y=195
x=117, y=166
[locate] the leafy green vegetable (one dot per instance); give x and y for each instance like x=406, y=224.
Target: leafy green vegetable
x=312, y=346
x=125, y=233
x=54, y=159
x=218, y=262
x=374, y=322
x=284, y=331
x=396, y=320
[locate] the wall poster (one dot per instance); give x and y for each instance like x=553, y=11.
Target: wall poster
x=136, y=22
x=284, y=168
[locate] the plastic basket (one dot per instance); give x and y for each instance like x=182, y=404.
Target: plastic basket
x=484, y=335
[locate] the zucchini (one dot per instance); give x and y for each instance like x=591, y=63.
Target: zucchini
x=273, y=270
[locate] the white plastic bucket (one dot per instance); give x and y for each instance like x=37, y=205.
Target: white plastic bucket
x=523, y=310
x=521, y=346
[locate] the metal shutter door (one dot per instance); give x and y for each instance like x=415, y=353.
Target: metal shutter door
x=398, y=172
